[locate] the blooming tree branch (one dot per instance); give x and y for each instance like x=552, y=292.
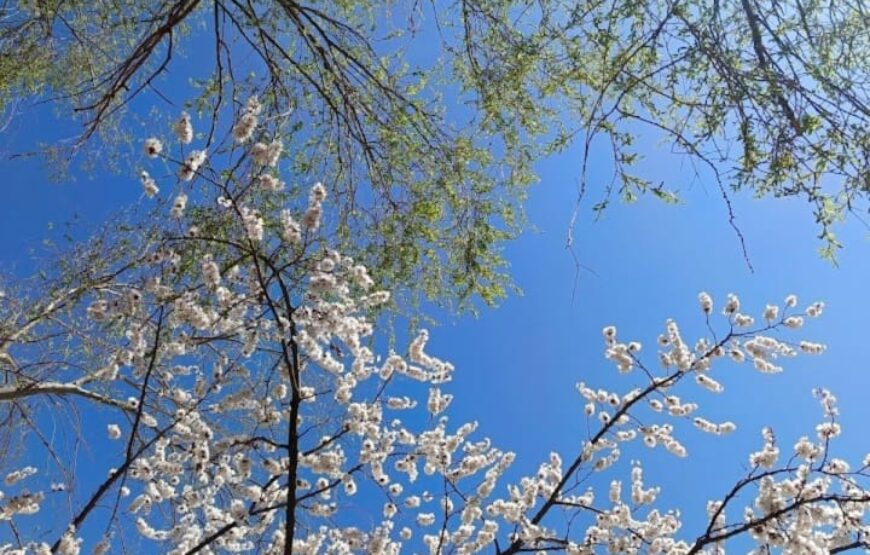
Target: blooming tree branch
x=258, y=416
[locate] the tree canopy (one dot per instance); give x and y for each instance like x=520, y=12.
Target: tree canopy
x=767, y=97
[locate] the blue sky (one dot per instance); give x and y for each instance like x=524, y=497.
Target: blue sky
x=517, y=365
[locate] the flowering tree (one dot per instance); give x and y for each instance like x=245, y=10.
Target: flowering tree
x=233, y=356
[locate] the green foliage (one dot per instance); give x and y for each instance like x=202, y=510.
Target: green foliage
x=429, y=161
x=423, y=201
x=767, y=96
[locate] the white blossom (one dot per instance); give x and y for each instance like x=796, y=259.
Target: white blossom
x=153, y=147
x=183, y=129
x=149, y=186
x=192, y=164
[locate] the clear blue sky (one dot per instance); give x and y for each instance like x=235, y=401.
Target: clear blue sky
x=517, y=365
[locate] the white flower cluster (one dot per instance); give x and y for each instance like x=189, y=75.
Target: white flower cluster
x=267, y=154
x=153, y=147
x=192, y=164
x=22, y=503
x=768, y=456
x=270, y=182
x=178, y=205
x=244, y=128
x=149, y=185
x=253, y=222
x=183, y=129
x=291, y=231
x=311, y=219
